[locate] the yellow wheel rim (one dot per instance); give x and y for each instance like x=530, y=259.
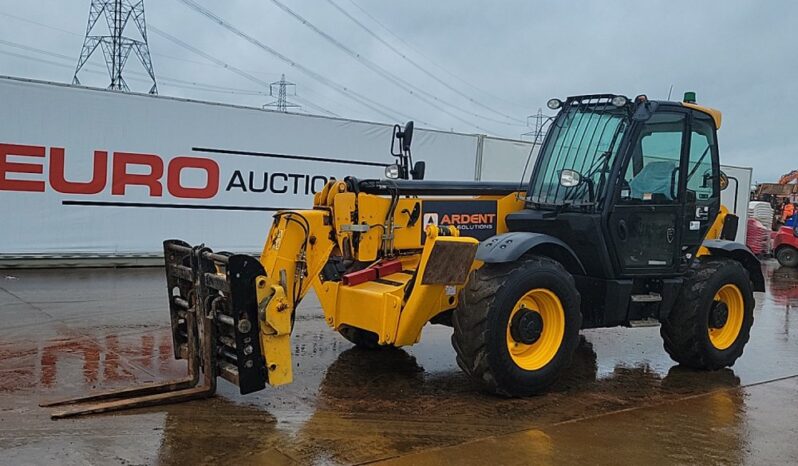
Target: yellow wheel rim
x=725, y=336
x=536, y=355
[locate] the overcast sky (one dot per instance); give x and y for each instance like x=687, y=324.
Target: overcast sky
x=499, y=61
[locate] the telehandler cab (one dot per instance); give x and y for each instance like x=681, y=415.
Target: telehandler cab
x=619, y=224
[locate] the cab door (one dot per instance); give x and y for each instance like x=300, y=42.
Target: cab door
x=702, y=191
x=645, y=223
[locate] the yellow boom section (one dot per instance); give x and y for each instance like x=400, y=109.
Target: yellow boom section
x=372, y=262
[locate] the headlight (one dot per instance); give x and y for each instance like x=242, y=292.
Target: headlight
x=554, y=104
x=619, y=101
x=392, y=171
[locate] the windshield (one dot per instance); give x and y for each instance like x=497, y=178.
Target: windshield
x=585, y=137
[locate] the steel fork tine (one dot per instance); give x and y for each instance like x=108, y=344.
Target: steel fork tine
x=200, y=351
x=137, y=402
x=151, y=394
x=142, y=390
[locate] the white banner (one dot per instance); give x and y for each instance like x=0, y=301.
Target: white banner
x=87, y=171
x=93, y=172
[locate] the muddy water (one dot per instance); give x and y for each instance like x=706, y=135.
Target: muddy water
x=64, y=333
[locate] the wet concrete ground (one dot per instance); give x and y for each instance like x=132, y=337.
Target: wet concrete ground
x=66, y=332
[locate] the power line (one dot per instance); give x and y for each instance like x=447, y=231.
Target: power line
x=361, y=99
x=433, y=61
x=30, y=21
x=116, y=47
x=399, y=82
x=198, y=86
x=318, y=95
x=307, y=103
x=40, y=60
x=155, y=54
x=171, y=82
x=212, y=88
x=34, y=49
x=215, y=60
x=185, y=84
x=63, y=65
x=417, y=65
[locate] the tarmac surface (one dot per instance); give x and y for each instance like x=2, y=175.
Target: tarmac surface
x=67, y=332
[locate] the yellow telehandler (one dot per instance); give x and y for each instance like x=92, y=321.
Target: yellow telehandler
x=620, y=224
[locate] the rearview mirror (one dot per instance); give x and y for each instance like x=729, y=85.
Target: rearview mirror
x=418, y=170
x=407, y=136
x=570, y=178
x=724, y=181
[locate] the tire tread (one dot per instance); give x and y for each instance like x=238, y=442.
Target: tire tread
x=470, y=319
x=682, y=329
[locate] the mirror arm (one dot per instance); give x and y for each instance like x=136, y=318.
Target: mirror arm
x=591, y=194
x=736, y=191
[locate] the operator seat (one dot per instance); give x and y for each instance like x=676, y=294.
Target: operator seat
x=656, y=179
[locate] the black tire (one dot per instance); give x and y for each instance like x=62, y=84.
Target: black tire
x=685, y=332
x=787, y=256
x=362, y=338
x=481, y=321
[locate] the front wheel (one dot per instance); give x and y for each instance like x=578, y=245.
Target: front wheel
x=517, y=325
x=711, y=321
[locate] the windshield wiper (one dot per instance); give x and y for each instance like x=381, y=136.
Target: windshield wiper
x=698, y=164
x=600, y=165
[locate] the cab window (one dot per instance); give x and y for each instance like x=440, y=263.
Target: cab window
x=700, y=179
x=653, y=171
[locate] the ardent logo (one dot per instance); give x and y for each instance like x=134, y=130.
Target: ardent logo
x=475, y=218
x=468, y=219
x=430, y=219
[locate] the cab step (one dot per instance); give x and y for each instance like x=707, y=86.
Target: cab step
x=647, y=298
x=650, y=322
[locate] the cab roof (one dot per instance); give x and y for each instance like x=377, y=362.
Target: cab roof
x=714, y=113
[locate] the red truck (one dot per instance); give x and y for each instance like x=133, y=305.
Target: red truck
x=785, y=246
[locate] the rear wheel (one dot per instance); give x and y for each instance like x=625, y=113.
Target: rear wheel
x=787, y=256
x=517, y=325
x=712, y=318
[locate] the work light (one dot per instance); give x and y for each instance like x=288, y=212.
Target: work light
x=619, y=101
x=392, y=172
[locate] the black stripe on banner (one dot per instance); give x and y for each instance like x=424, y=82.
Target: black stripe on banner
x=288, y=157
x=172, y=206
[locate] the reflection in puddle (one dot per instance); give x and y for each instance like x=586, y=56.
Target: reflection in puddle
x=348, y=405
x=107, y=360
x=783, y=287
